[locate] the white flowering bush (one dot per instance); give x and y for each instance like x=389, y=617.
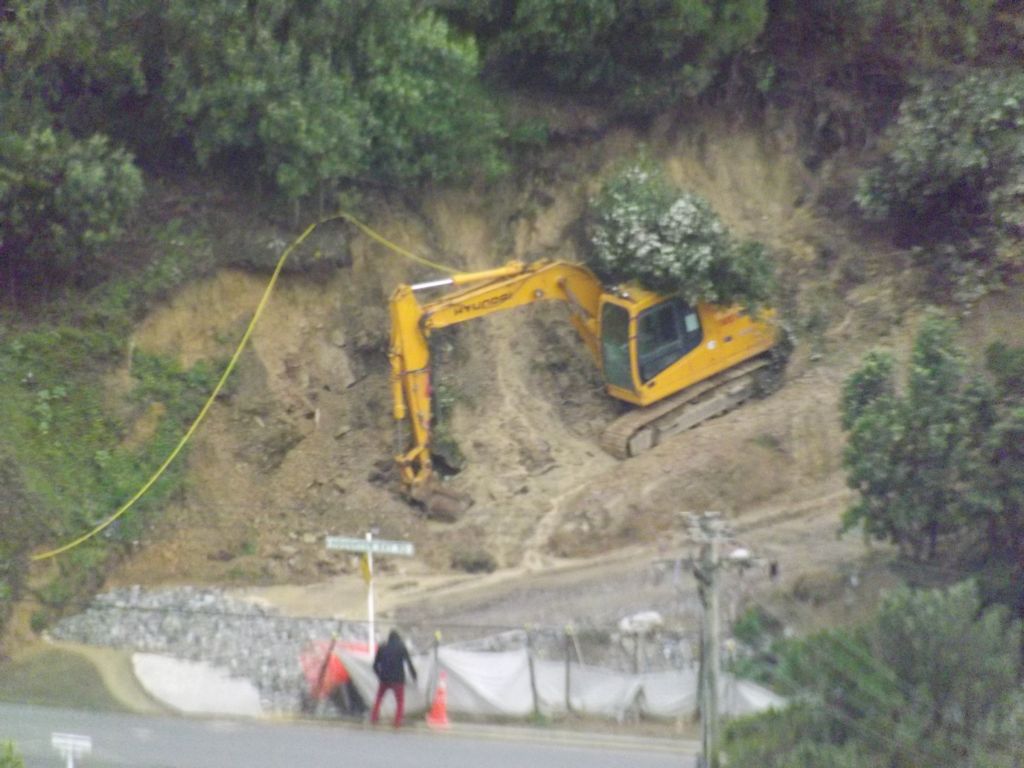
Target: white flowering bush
x=642, y=230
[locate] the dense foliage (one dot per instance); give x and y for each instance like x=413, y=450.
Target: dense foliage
x=930, y=682
x=952, y=176
x=74, y=66
x=844, y=65
x=895, y=35
x=942, y=457
x=308, y=95
x=904, y=451
x=66, y=189
x=9, y=757
x=61, y=200
x=672, y=242
x=593, y=47
x=329, y=90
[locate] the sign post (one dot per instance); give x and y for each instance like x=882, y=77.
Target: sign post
x=372, y=636
x=368, y=546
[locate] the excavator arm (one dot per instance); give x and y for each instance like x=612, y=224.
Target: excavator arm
x=477, y=294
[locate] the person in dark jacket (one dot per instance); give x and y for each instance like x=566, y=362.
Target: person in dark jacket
x=389, y=665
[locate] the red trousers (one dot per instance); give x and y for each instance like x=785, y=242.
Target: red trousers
x=382, y=688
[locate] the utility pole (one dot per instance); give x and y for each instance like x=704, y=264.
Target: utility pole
x=708, y=529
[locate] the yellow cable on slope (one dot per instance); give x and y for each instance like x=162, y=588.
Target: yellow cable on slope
x=396, y=248
x=230, y=367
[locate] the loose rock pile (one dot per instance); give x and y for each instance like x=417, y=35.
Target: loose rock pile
x=249, y=640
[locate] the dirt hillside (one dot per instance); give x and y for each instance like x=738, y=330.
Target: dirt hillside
x=301, y=447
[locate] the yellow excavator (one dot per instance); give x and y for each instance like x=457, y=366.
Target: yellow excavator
x=680, y=364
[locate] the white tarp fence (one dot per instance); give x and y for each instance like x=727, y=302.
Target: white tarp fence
x=482, y=683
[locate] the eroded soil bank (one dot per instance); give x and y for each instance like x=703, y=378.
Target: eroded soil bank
x=301, y=448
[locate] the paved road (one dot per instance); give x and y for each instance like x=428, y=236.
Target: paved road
x=169, y=742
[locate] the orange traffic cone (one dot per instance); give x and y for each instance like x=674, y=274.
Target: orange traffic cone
x=437, y=717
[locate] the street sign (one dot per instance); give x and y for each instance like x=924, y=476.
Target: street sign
x=70, y=746
x=376, y=546
x=369, y=546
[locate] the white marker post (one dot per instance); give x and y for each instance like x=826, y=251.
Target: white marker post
x=70, y=746
x=368, y=546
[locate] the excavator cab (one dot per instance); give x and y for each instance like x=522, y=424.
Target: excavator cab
x=664, y=333
x=653, y=346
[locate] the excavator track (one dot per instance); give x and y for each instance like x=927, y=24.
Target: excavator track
x=641, y=429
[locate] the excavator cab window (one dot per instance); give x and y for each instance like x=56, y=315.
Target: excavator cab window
x=664, y=334
x=615, y=346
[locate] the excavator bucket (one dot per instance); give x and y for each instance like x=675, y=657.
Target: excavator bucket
x=440, y=503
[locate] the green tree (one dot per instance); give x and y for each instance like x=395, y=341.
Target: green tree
x=997, y=500
x=329, y=91
x=61, y=200
x=593, y=47
x=797, y=737
x=960, y=662
x=905, y=452
x=307, y=95
x=945, y=456
x=952, y=175
x=314, y=135
x=673, y=242
x=869, y=385
x=9, y=758
x=1006, y=364
x=430, y=117
x=930, y=682
x=66, y=190
x=994, y=501
x=221, y=62
x=76, y=63
x=899, y=35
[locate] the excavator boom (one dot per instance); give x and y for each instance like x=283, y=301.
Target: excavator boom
x=477, y=294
